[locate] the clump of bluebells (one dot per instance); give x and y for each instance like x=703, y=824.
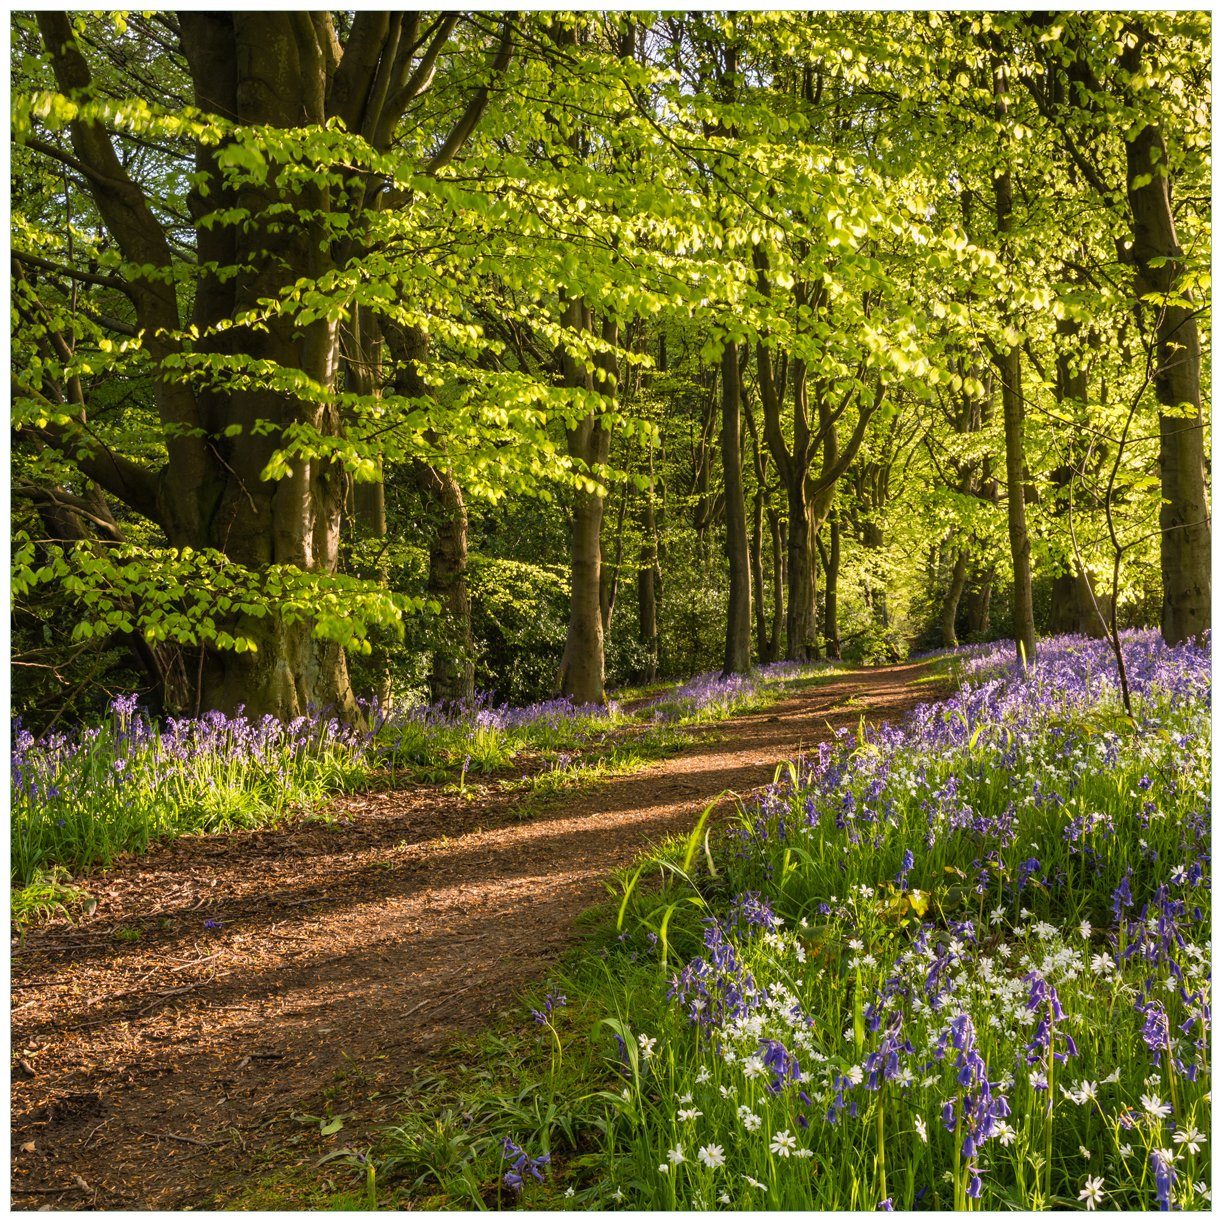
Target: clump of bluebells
x=522, y=1165
x=963, y=962
x=81, y=798
x=712, y=695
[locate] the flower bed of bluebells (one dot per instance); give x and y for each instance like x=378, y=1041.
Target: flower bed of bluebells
x=963, y=962
x=80, y=798
x=712, y=695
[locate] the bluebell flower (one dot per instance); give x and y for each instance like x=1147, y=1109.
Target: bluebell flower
x=1164, y=1178
x=523, y=1165
x=901, y=879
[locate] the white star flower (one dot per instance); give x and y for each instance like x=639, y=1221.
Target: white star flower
x=783, y=1143
x=1092, y=1191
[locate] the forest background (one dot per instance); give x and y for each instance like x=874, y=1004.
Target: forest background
x=399, y=355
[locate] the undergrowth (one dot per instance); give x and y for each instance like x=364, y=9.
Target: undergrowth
x=963, y=964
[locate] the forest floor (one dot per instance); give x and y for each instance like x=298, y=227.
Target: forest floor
x=233, y=993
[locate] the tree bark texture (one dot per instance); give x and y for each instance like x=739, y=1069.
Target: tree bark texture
x=582, y=668
x=1157, y=258
x=452, y=669
x=648, y=576
x=831, y=609
x=950, y=600
x=738, y=613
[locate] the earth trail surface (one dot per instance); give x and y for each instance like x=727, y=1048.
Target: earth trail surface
x=227, y=984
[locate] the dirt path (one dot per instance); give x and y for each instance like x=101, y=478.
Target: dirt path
x=227, y=982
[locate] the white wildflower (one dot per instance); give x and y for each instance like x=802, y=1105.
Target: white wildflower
x=647, y=1043
x=712, y=1156
x=922, y=1129
x=1092, y=1191
x=783, y=1143
x=1155, y=1106
x=1190, y=1138
x=676, y=1155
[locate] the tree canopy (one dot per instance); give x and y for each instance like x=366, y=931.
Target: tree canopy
x=364, y=354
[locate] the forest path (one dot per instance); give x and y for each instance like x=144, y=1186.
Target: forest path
x=162, y=1047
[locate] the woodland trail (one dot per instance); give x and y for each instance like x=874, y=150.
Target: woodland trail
x=225, y=983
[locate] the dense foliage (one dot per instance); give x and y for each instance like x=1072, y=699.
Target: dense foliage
x=373, y=354
x=962, y=962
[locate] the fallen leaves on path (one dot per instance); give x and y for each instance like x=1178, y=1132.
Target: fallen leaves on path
x=226, y=982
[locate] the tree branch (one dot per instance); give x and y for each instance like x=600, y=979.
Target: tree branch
x=468, y=121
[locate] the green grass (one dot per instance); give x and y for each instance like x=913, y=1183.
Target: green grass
x=610, y=1120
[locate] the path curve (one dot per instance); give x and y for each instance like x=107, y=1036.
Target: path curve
x=151, y=1073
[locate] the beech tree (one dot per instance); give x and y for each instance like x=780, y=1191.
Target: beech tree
x=247, y=366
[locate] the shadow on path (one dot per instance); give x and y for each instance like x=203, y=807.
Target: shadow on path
x=271, y=970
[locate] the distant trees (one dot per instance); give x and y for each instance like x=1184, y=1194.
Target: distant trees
x=323, y=319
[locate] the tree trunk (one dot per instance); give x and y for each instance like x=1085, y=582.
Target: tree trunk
x=1016, y=509
x=609, y=577
x=1010, y=370
x=814, y=526
x=1075, y=607
x=452, y=671
x=776, y=530
x=647, y=585
x=760, y=462
x=757, y=575
x=797, y=577
x=950, y=601
x=582, y=669
x=831, y=611
x=582, y=674
x=294, y=520
x=1184, y=515
x=980, y=599
x=738, y=614
x=873, y=539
